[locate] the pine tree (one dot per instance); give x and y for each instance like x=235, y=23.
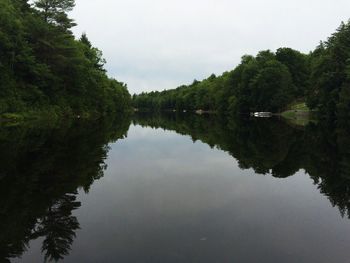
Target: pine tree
x=55, y=12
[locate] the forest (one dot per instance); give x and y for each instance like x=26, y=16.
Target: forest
x=45, y=70
x=269, y=81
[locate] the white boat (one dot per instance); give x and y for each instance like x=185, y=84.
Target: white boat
x=261, y=114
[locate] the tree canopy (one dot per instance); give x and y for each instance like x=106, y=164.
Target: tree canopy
x=43, y=68
x=330, y=75
x=267, y=82
x=270, y=81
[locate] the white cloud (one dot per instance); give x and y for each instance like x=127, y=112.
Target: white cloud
x=158, y=44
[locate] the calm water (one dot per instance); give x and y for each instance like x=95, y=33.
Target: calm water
x=175, y=189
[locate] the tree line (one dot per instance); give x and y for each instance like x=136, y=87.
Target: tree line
x=43, y=68
x=269, y=81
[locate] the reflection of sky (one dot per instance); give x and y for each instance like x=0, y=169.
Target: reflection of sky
x=166, y=199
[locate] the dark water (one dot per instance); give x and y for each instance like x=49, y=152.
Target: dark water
x=175, y=189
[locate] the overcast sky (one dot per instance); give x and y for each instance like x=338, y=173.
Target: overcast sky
x=161, y=44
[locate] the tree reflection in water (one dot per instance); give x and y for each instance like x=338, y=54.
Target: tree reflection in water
x=41, y=170
x=42, y=167
x=272, y=146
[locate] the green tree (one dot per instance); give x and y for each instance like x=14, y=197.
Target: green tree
x=298, y=66
x=55, y=11
x=44, y=69
x=329, y=73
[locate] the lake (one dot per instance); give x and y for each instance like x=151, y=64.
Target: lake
x=175, y=188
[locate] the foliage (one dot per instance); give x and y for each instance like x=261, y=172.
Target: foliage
x=43, y=66
x=270, y=82
x=267, y=82
x=330, y=78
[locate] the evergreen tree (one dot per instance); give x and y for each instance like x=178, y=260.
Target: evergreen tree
x=55, y=11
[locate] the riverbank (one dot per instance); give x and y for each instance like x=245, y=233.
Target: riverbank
x=298, y=114
x=52, y=115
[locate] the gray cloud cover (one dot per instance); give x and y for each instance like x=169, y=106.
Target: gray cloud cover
x=161, y=44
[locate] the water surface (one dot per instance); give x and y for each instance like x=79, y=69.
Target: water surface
x=175, y=189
